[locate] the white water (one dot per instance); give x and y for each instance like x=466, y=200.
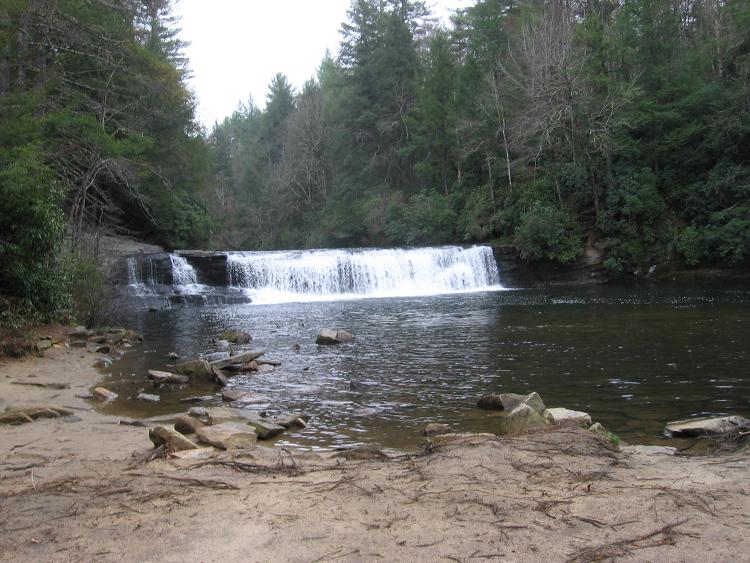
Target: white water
x=323, y=275
x=183, y=274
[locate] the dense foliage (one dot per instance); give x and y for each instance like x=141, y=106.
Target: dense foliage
x=547, y=123
x=97, y=136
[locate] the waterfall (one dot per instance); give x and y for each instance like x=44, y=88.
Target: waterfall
x=183, y=274
x=314, y=275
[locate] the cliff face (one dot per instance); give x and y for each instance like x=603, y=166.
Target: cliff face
x=516, y=272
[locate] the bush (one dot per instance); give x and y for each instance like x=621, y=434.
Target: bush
x=92, y=293
x=548, y=233
x=425, y=218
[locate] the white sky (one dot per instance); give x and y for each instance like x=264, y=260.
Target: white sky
x=237, y=46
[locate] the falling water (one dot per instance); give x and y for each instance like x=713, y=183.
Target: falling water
x=315, y=275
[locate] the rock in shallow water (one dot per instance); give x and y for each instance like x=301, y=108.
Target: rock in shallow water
x=711, y=426
x=333, y=336
x=173, y=440
x=558, y=416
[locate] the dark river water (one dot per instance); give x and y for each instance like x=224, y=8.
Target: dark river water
x=633, y=357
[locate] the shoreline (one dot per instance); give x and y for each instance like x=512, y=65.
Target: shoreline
x=81, y=490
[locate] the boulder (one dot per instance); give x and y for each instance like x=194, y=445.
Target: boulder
x=242, y=358
x=147, y=397
x=236, y=336
x=103, y=394
x=711, y=426
x=521, y=419
x=294, y=420
x=228, y=436
x=43, y=344
x=247, y=397
x=509, y=401
x=173, y=356
x=559, y=416
x=196, y=370
x=166, y=377
x=249, y=366
x=79, y=332
x=333, y=336
x=434, y=429
x=171, y=439
x=187, y=424
x=220, y=415
x=266, y=368
x=597, y=428
x=265, y=429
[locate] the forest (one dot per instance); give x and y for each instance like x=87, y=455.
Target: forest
x=553, y=125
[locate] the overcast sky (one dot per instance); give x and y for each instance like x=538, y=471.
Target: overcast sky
x=237, y=46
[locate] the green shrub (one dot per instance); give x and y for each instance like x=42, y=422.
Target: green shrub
x=425, y=218
x=92, y=293
x=548, y=233
x=33, y=227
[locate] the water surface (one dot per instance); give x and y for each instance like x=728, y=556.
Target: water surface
x=633, y=357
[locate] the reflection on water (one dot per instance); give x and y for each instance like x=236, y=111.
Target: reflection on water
x=632, y=357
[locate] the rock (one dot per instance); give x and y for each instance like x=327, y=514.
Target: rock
x=219, y=377
x=173, y=356
x=79, y=344
x=296, y=348
x=187, y=424
x=434, y=429
x=333, y=336
x=521, y=419
x=104, y=349
x=88, y=395
x=242, y=358
x=219, y=415
x=250, y=366
x=98, y=338
x=240, y=396
x=166, y=377
x=20, y=415
x=79, y=332
x=196, y=370
x=266, y=368
x=558, y=416
x=43, y=345
x=597, y=428
x=267, y=362
x=710, y=426
x=650, y=450
x=103, y=394
x=535, y=402
x=170, y=438
x=198, y=453
x=222, y=344
x=295, y=420
x=362, y=453
x=147, y=397
x=236, y=336
x=228, y=436
x=265, y=429
x=103, y=362
x=509, y=401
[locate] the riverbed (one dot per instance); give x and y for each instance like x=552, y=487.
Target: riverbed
x=633, y=357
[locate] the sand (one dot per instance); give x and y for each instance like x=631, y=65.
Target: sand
x=81, y=491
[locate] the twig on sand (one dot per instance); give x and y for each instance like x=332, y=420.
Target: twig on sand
x=208, y=483
x=248, y=467
x=663, y=536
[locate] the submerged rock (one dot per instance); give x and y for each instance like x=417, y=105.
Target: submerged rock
x=711, y=426
x=236, y=336
x=558, y=416
x=434, y=429
x=521, y=419
x=265, y=429
x=196, y=370
x=228, y=436
x=333, y=336
x=166, y=377
x=294, y=420
x=240, y=396
x=147, y=397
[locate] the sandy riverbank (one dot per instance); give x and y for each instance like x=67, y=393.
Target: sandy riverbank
x=79, y=490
